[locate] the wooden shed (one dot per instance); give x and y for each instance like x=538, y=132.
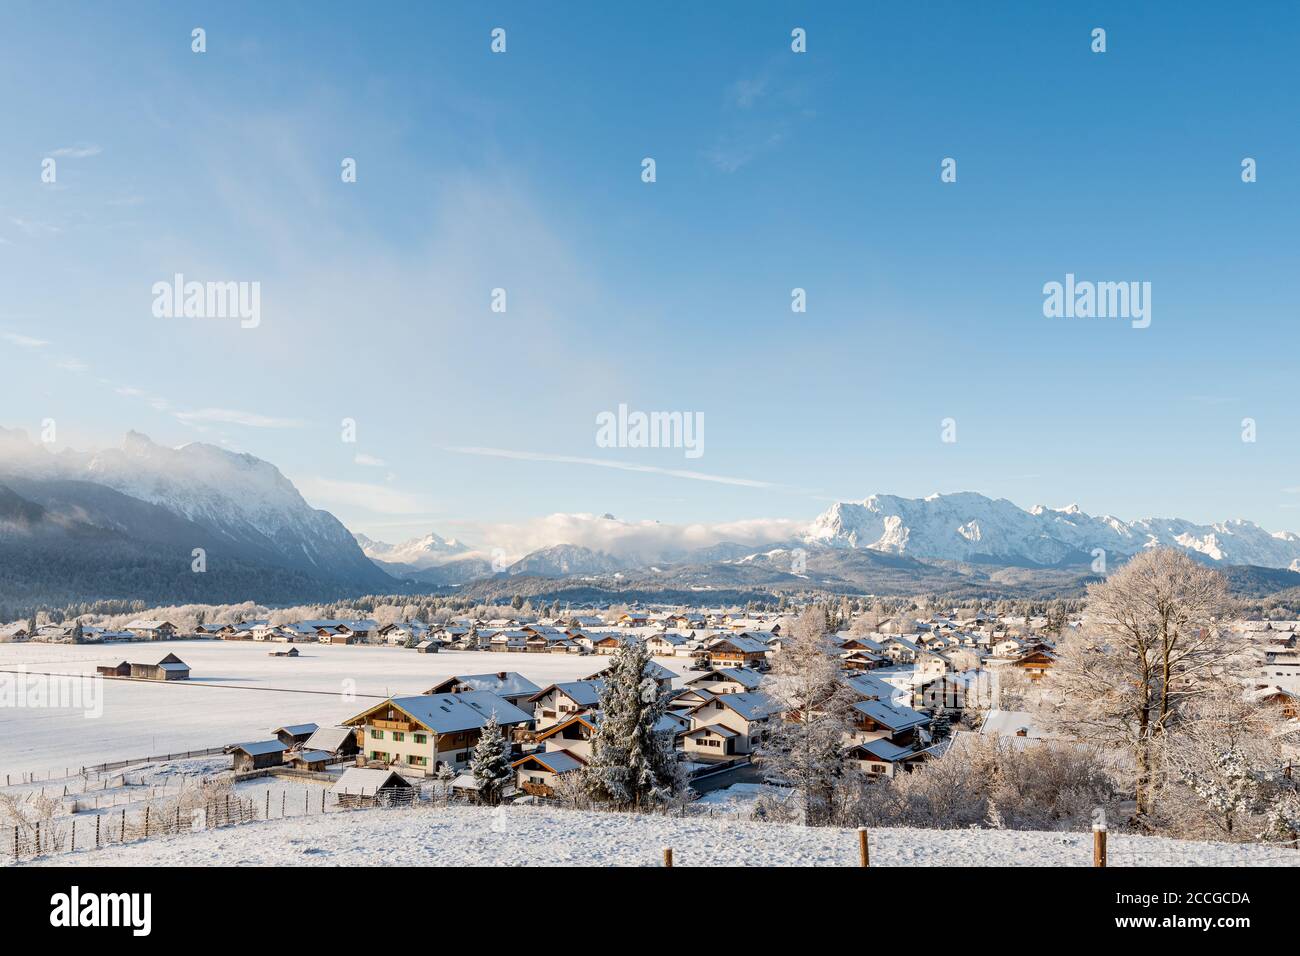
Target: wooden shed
x=256, y=755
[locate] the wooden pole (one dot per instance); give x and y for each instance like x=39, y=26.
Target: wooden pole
x=668, y=856
x=864, y=851
x=1099, y=845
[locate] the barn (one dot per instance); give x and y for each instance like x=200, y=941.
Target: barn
x=256, y=755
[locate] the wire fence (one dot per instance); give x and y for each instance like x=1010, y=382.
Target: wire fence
x=28, y=777
x=189, y=812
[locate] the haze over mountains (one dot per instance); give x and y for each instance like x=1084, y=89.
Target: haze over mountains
x=124, y=523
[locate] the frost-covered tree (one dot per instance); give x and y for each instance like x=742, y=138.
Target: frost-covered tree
x=805, y=743
x=1151, y=644
x=1227, y=788
x=632, y=763
x=489, y=765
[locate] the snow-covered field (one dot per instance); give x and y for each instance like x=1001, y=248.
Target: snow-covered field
x=535, y=836
x=236, y=692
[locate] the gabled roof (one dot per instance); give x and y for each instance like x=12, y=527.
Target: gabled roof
x=656, y=672
x=297, y=730
x=453, y=713
x=737, y=675
x=311, y=756
x=556, y=761
x=147, y=625
x=884, y=750
x=741, y=642
x=750, y=705
x=328, y=738
x=502, y=683
x=894, y=717
x=587, y=720
x=258, y=748
x=719, y=730
x=367, y=781
x=585, y=693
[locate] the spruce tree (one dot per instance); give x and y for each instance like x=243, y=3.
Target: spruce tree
x=632, y=764
x=490, y=764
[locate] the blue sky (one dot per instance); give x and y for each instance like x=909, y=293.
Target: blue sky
x=774, y=170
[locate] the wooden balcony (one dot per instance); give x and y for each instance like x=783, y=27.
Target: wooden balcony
x=405, y=726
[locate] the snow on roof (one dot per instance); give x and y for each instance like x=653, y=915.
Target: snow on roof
x=468, y=710
x=502, y=683
x=655, y=670
x=311, y=756
x=585, y=693
x=895, y=717
x=1011, y=723
x=556, y=761
x=751, y=705
x=297, y=729
x=884, y=750
x=367, y=781
x=743, y=643
x=737, y=675
x=258, y=748
x=328, y=738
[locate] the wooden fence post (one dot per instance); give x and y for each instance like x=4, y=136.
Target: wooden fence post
x=97, y=819
x=146, y=821
x=73, y=847
x=668, y=856
x=268, y=803
x=1099, y=845
x=15, y=844
x=864, y=851
x=123, y=840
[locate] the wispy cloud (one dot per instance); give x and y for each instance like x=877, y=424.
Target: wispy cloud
x=229, y=416
x=606, y=463
x=369, y=461
x=70, y=364
x=76, y=152
x=23, y=341
x=35, y=227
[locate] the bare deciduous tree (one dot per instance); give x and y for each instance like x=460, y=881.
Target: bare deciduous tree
x=1150, y=645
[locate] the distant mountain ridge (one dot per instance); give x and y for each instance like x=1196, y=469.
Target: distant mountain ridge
x=974, y=528
x=152, y=506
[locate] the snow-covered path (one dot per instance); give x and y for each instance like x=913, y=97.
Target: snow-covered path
x=534, y=836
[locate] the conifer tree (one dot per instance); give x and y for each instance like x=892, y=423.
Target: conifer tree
x=490, y=764
x=632, y=763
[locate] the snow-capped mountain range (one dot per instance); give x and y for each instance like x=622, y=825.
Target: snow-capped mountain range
x=240, y=503
x=149, y=505
x=971, y=527
x=428, y=551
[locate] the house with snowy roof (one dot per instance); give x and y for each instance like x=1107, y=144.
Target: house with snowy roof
x=737, y=650
x=537, y=773
x=726, y=680
x=728, y=725
x=418, y=734
x=881, y=720
x=508, y=685
x=256, y=755
x=561, y=701
x=883, y=758
x=152, y=630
